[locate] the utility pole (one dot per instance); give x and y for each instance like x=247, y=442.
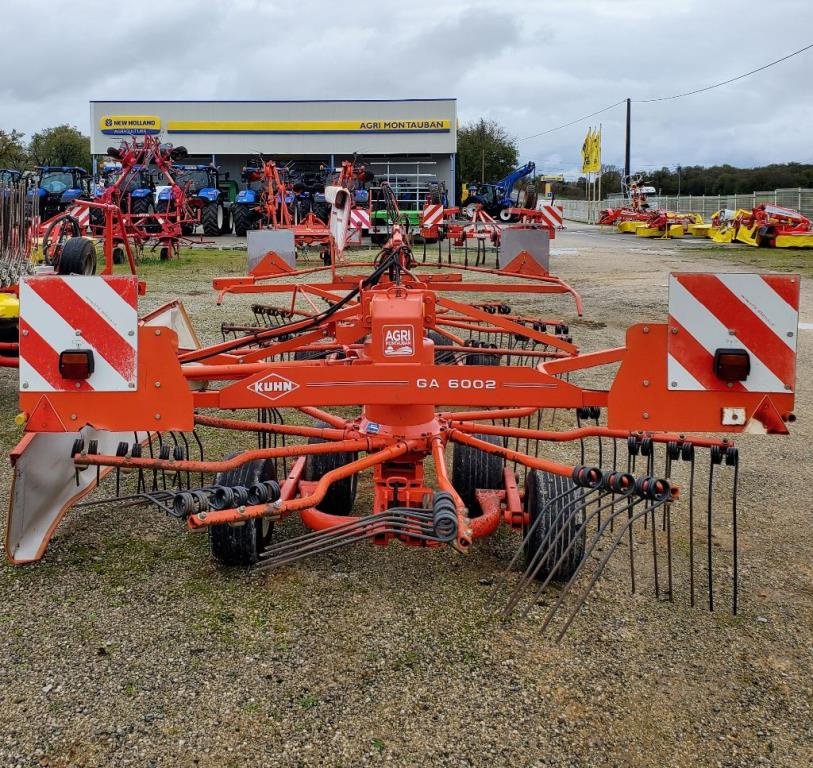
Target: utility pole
x=627, y=141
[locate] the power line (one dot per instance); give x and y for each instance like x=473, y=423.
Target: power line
x=669, y=98
x=725, y=82
x=572, y=122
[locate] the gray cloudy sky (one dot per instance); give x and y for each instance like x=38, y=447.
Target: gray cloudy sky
x=531, y=65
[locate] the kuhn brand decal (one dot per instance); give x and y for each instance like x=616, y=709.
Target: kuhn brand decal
x=273, y=386
x=399, y=340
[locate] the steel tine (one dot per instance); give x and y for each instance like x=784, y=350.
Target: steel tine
x=525, y=539
x=593, y=543
x=708, y=537
x=655, y=556
x=391, y=524
x=596, y=575
x=543, y=552
x=540, y=589
x=735, y=548
x=587, y=553
x=362, y=524
x=691, y=530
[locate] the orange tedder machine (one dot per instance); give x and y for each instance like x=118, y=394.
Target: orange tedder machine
x=372, y=379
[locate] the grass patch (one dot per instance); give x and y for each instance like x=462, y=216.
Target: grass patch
x=774, y=259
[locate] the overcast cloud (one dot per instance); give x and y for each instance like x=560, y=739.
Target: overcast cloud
x=529, y=65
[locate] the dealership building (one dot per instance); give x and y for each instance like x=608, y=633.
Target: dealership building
x=409, y=142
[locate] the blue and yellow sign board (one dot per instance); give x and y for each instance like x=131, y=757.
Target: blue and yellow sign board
x=129, y=125
x=309, y=126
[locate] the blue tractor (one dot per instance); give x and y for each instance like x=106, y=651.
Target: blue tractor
x=205, y=193
x=9, y=177
x=136, y=195
x=57, y=187
x=496, y=198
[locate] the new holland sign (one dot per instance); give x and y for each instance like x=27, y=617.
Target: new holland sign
x=309, y=126
x=129, y=125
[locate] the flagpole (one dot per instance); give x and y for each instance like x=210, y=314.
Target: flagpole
x=599, y=171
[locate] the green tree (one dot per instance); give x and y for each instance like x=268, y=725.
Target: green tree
x=60, y=145
x=485, y=151
x=12, y=150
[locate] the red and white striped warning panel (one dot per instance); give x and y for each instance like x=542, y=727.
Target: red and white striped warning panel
x=431, y=216
x=553, y=214
x=755, y=313
x=359, y=218
x=79, y=212
x=75, y=312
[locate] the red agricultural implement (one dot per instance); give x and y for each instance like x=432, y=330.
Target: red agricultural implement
x=135, y=222
x=773, y=226
x=436, y=412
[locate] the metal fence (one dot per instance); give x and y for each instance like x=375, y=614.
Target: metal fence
x=799, y=199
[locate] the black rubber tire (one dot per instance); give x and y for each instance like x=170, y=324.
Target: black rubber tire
x=302, y=207
x=163, y=253
x=168, y=207
x=96, y=220
x=540, y=489
x=144, y=206
x=311, y=354
x=241, y=545
x=482, y=358
x=505, y=217
x=10, y=333
x=212, y=217
x=243, y=220
x=78, y=257
x=119, y=255
x=322, y=210
x=141, y=206
x=443, y=356
x=226, y=228
x=57, y=234
x=473, y=469
x=340, y=495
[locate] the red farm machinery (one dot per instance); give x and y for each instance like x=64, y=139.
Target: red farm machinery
x=137, y=221
x=381, y=402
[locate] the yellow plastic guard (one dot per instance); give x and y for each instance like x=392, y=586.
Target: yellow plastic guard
x=676, y=230
x=747, y=236
x=649, y=232
x=722, y=235
x=698, y=230
x=628, y=226
x=9, y=306
x=795, y=241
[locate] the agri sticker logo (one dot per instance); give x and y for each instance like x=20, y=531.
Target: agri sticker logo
x=273, y=386
x=399, y=340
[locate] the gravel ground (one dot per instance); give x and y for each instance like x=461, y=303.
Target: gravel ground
x=125, y=646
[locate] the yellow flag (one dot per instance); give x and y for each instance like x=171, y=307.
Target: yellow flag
x=586, y=151
x=595, y=159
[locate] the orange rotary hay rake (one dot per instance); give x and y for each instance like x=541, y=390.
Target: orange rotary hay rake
x=441, y=411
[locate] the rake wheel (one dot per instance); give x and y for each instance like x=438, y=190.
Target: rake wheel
x=547, y=497
x=241, y=545
x=78, y=257
x=442, y=356
x=473, y=469
x=340, y=495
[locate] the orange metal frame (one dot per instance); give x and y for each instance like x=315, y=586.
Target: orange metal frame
x=401, y=390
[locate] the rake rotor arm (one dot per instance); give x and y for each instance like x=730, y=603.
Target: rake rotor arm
x=278, y=429
x=583, y=432
x=173, y=465
x=554, y=467
x=503, y=322
x=306, y=504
